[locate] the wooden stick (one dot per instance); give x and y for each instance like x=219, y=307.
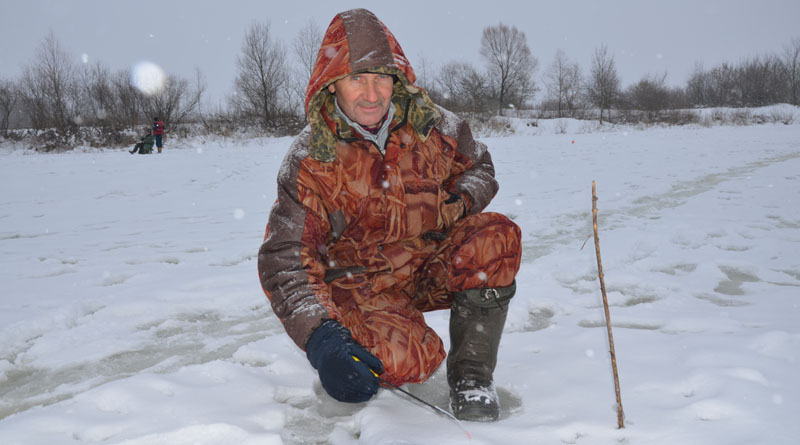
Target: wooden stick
x=620, y=414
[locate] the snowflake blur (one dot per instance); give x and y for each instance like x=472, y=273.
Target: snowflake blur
x=148, y=77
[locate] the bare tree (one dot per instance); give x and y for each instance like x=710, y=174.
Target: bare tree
x=603, y=85
x=761, y=81
x=723, y=86
x=34, y=100
x=126, y=109
x=306, y=46
x=8, y=101
x=510, y=64
x=98, y=94
x=425, y=74
x=449, y=81
x=650, y=95
x=563, y=80
x=573, y=87
x=476, y=90
x=677, y=99
x=262, y=76
x=461, y=87
x=175, y=103
x=698, y=86
x=791, y=64
x=49, y=88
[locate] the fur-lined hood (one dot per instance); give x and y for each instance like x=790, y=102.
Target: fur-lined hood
x=356, y=41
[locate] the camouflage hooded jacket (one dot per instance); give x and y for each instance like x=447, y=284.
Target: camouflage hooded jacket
x=343, y=207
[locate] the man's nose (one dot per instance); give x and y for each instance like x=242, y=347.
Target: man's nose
x=371, y=92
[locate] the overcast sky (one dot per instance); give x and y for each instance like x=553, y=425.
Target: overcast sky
x=644, y=36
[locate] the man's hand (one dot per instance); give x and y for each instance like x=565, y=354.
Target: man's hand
x=348, y=372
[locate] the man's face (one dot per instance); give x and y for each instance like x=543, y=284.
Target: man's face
x=364, y=97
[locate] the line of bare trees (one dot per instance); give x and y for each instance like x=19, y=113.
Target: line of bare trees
x=758, y=81
x=58, y=96
x=66, y=103
x=507, y=81
x=269, y=89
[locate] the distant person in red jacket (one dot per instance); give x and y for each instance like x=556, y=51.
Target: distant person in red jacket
x=158, y=132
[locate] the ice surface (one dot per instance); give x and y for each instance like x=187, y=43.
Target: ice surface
x=131, y=310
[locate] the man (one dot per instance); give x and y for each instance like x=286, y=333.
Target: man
x=145, y=144
x=158, y=132
x=378, y=219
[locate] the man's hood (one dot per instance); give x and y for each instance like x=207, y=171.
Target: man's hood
x=356, y=41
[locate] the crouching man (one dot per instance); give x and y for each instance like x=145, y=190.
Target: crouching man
x=379, y=219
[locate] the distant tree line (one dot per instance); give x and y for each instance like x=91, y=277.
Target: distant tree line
x=758, y=81
x=64, y=102
x=57, y=96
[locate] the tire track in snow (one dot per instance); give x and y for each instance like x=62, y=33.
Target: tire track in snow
x=574, y=227
x=184, y=340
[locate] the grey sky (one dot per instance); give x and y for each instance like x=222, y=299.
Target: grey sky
x=645, y=36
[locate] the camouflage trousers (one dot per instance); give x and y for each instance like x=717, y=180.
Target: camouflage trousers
x=482, y=250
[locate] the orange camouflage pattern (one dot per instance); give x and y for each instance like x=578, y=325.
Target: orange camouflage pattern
x=373, y=239
x=482, y=250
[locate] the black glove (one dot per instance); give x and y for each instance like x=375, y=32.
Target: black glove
x=347, y=370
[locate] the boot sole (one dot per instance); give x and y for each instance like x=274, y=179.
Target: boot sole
x=477, y=413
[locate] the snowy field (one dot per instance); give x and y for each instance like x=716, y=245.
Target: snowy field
x=131, y=312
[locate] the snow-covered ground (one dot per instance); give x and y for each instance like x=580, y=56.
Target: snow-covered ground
x=130, y=309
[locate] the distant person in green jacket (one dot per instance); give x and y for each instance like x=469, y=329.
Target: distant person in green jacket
x=145, y=145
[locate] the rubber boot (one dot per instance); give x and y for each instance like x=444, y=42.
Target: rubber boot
x=159, y=149
x=477, y=317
